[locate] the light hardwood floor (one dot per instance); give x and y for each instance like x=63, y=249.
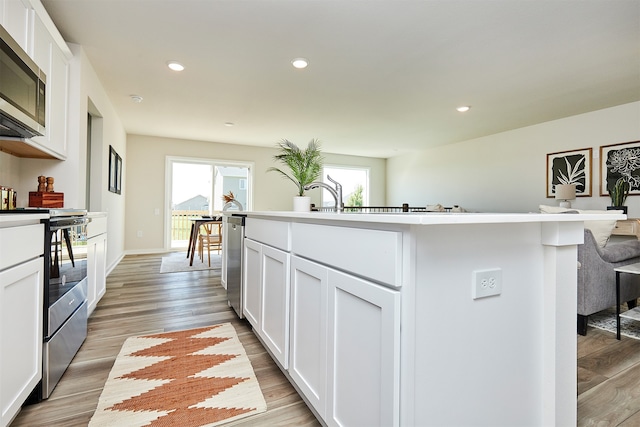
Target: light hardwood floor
x=140, y=300
x=608, y=380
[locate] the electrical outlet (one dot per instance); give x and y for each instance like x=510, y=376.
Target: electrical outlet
x=139, y=233
x=486, y=283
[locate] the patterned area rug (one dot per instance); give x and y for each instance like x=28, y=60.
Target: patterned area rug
x=606, y=320
x=179, y=262
x=198, y=377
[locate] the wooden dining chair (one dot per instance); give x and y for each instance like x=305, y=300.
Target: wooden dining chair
x=210, y=236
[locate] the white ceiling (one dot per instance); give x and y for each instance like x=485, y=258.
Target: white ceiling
x=384, y=76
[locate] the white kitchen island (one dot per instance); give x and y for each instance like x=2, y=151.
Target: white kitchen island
x=374, y=320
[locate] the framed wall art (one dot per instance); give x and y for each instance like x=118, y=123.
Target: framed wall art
x=620, y=161
x=115, y=171
x=119, y=175
x=570, y=167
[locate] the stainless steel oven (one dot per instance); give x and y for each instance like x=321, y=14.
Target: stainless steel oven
x=65, y=294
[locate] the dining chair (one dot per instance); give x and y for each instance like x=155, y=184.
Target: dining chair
x=210, y=236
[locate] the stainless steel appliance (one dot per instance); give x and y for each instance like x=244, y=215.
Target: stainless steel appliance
x=65, y=294
x=22, y=91
x=234, y=229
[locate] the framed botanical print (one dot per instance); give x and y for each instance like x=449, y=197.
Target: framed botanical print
x=570, y=167
x=620, y=161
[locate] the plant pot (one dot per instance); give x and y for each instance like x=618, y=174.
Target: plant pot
x=618, y=208
x=301, y=203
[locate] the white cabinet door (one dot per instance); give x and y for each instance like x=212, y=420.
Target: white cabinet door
x=16, y=21
x=308, y=346
x=364, y=353
x=21, y=293
x=274, y=321
x=96, y=270
x=52, y=61
x=251, y=282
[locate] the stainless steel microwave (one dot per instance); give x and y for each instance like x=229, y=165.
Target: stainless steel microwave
x=22, y=91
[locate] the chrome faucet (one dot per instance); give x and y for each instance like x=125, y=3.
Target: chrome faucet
x=336, y=193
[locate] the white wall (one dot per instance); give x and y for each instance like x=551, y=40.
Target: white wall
x=506, y=172
x=145, y=178
x=70, y=175
x=9, y=173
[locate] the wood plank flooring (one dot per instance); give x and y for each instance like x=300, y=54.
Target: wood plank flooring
x=608, y=380
x=140, y=300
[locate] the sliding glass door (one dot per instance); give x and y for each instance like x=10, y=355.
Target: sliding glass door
x=195, y=188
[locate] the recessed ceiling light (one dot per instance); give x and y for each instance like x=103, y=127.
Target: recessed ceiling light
x=136, y=98
x=229, y=124
x=175, y=66
x=300, y=63
x=463, y=109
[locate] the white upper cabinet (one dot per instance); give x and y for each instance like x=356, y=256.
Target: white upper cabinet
x=52, y=61
x=29, y=24
x=15, y=19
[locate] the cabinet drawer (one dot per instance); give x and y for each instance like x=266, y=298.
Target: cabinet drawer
x=97, y=226
x=272, y=233
x=374, y=254
x=19, y=244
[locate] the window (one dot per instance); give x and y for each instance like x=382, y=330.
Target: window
x=355, y=185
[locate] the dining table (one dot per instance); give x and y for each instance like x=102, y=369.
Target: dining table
x=196, y=222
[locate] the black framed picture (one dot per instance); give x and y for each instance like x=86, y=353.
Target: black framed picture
x=119, y=174
x=620, y=161
x=570, y=167
x=115, y=171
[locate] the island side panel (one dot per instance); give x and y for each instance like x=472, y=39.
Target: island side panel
x=560, y=366
x=478, y=362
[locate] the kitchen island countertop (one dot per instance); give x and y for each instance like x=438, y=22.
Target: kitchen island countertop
x=426, y=218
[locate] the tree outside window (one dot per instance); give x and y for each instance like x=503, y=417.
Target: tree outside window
x=355, y=185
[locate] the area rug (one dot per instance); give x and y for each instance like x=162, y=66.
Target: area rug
x=197, y=377
x=179, y=262
x=606, y=320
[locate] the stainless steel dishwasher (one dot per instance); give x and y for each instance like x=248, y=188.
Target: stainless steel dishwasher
x=234, y=252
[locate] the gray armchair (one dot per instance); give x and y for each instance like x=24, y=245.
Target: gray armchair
x=597, y=280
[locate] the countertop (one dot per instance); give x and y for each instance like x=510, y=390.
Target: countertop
x=17, y=219
x=435, y=218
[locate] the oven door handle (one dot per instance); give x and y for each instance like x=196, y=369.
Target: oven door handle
x=68, y=223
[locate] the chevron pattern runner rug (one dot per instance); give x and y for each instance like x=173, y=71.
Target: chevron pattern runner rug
x=197, y=377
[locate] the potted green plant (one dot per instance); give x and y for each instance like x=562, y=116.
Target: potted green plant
x=305, y=167
x=618, y=194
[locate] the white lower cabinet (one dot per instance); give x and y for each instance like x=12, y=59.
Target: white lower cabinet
x=266, y=296
x=274, y=324
x=308, y=360
x=20, y=334
x=96, y=260
x=345, y=345
x=335, y=329
x=364, y=353
x=96, y=270
x=251, y=282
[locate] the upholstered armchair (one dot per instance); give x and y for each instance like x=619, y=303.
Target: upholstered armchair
x=597, y=280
